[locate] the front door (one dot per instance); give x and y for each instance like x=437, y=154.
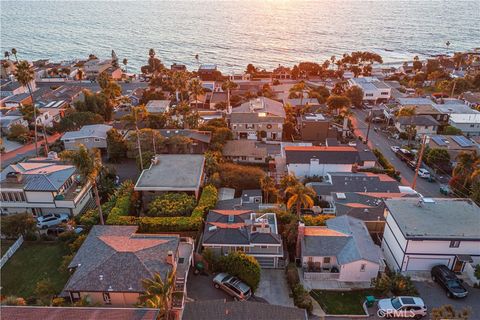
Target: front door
x=458, y=266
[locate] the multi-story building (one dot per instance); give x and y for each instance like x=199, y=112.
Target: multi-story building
x=374, y=90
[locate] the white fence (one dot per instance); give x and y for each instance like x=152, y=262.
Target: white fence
x=11, y=251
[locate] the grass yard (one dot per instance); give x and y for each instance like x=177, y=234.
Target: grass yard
x=5, y=245
x=33, y=262
x=341, y=302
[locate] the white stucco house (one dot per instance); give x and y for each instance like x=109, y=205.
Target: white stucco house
x=422, y=233
x=342, y=250
x=373, y=89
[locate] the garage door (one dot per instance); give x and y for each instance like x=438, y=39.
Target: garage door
x=266, y=262
x=425, y=264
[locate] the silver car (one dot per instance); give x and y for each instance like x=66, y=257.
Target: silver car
x=233, y=286
x=402, y=307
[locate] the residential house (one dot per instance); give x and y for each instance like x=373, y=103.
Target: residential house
x=178, y=67
x=421, y=124
x=374, y=90
x=282, y=73
x=256, y=234
x=310, y=104
x=209, y=72
x=240, y=310
x=422, y=233
x=461, y=116
x=313, y=127
x=261, y=118
x=9, y=87
x=7, y=121
x=113, y=260
x=136, y=95
x=425, y=107
x=245, y=151
x=91, y=136
x=85, y=313
x=342, y=250
x=251, y=199
x=200, y=139
x=472, y=99
x=17, y=100
x=214, y=98
x=304, y=161
x=42, y=186
x=94, y=67
x=158, y=106
x=171, y=173
x=453, y=144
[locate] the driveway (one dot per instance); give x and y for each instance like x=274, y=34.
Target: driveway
x=274, y=287
x=434, y=296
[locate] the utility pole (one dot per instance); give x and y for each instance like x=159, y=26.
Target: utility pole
x=138, y=139
x=368, y=128
x=419, y=161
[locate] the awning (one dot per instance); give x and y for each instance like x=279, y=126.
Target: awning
x=464, y=258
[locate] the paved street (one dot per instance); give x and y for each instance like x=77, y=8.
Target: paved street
x=381, y=142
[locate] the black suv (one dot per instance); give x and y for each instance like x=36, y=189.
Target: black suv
x=449, y=281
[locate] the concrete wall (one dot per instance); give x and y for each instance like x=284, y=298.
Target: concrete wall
x=351, y=272
x=117, y=298
x=393, y=248
x=37, y=196
x=306, y=169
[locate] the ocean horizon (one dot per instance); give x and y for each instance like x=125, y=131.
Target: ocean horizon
x=232, y=34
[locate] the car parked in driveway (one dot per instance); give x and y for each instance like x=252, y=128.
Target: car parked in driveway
x=449, y=281
x=402, y=307
x=51, y=219
x=233, y=286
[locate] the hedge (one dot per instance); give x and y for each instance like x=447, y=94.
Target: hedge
x=317, y=220
x=171, y=204
x=389, y=168
x=301, y=298
x=207, y=201
x=243, y=266
x=122, y=203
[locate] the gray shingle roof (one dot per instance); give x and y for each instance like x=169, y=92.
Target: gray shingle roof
x=350, y=243
x=240, y=310
x=436, y=218
x=113, y=258
x=261, y=104
x=89, y=131
x=326, y=155
x=421, y=120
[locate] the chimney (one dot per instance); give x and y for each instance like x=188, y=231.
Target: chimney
x=170, y=258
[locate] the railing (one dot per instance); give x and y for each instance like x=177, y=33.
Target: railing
x=11, y=251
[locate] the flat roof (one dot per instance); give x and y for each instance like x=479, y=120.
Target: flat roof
x=172, y=172
x=439, y=218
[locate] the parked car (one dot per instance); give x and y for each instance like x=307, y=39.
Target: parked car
x=51, y=219
x=412, y=164
x=402, y=307
x=445, y=190
x=404, y=155
x=233, y=286
x=395, y=148
x=56, y=231
x=449, y=281
x=352, y=144
x=423, y=173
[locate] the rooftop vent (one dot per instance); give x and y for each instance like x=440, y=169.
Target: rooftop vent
x=212, y=228
x=231, y=219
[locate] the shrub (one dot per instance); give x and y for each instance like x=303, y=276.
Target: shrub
x=292, y=275
x=14, y=301
x=389, y=168
x=395, y=283
x=16, y=225
x=172, y=204
x=243, y=266
x=301, y=298
x=211, y=259
x=240, y=177
x=166, y=224
x=30, y=236
x=477, y=271
x=65, y=262
x=318, y=220
x=58, y=302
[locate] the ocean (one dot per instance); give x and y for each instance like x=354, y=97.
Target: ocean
x=232, y=34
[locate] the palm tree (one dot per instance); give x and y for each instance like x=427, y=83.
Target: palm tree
x=300, y=196
x=410, y=113
x=132, y=118
x=179, y=83
x=7, y=55
x=287, y=181
x=468, y=167
x=80, y=74
x=89, y=164
x=25, y=75
x=268, y=187
x=298, y=88
x=14, y=52
x=125, y=62
x=183, y=108
x=196, y=89
x=228, y=86
x=158, y=292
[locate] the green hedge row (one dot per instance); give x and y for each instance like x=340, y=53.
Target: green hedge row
x=207, y=201
x=122, y=202
x=389, y=168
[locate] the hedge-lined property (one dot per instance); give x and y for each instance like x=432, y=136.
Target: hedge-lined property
x=122, y=202
x=207, y=201
x=389, y=168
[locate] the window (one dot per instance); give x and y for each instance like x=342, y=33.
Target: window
x=368, y=94
x=363, y=267
x=106, y=298
x=472, y=125
x=454, y=244
x=385, y=93
x=234, y=126
x=243, y=158
x=326, y=260
x=258, y=159
x=85, y=140
x=96, y=139
x=75, y=295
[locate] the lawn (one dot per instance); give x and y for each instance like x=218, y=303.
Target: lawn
x=5, y=245
x=33, y=262
x=341, y=302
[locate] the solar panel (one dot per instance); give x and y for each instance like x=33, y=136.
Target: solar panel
x=462, y=141
x=439, y=140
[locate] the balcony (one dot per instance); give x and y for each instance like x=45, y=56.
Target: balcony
x=315, y=271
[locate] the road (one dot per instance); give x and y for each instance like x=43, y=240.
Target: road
x=381, y=142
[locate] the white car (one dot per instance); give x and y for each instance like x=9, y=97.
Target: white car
x=51, y=219
x=395, y=148
x=352, y=144
x=423, y=173
x=402, y=307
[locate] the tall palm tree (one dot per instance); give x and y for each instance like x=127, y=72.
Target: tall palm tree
x=158, y=293
x=229, y=86
x=125, y=62
x=183, y=108
x=179, y=83
x=298, y=88
x=89, y=164
x=467, y=166
x=196, y=89
x=25, y=75
x=300, y=196
x=137, y=113
x=410, y=113
x=268, y=187
x=14, y=52
x=80, y=74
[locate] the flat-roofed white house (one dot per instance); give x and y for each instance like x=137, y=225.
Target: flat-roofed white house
x=158, y=106
x=422, y=233
x=91, y=136
x=256, y=234
x=461, y=116
x=374, y=90
x=42, y=186
x=342, y=250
